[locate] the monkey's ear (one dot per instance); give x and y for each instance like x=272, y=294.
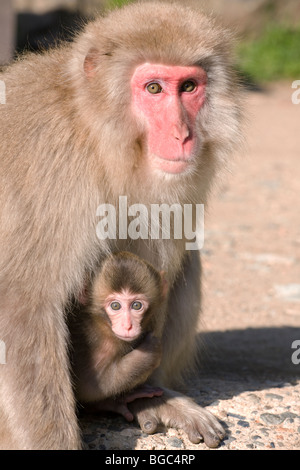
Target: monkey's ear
x=91, y=62
x=165, y=284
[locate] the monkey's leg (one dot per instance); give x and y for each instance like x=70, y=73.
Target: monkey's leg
x=35, y=387
x=175, y=410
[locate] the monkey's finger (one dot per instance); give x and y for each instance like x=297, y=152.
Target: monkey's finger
x=194, y=436
x=212, y=433
x=143, y=392
x=211, y=438
x=124, y=411
x=148, y=424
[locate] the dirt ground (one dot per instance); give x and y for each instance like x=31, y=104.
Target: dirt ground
x=251, y=295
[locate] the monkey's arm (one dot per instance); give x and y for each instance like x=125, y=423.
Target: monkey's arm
x=123, y=373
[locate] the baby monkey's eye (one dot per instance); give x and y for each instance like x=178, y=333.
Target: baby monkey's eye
x=136, y=305
x=115, y=305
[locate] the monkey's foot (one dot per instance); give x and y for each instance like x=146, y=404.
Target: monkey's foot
x=119, y=404
x=174, y=410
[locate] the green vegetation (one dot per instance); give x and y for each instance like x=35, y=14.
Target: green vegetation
x=111, y=4
x=274, y=55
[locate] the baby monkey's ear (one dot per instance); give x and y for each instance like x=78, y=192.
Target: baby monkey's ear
x=165, y=284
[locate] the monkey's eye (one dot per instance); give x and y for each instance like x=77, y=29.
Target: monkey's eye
x=115, y=305
x=154, y=88
x=137, y=305
x=188, y=86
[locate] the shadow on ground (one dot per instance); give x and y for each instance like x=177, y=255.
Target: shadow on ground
x=233, y=362
x=250, y=359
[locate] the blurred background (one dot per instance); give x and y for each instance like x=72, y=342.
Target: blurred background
x=268, y=30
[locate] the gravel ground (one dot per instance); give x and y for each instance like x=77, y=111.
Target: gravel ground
x=251, y=297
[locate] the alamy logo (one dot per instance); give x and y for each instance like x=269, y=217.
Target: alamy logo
x=296, y=94
x=296, y=354
x=159, y=221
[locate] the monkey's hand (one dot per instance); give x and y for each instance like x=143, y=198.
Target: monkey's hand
x=151, y=347
x=175, y=410
x=119, y=404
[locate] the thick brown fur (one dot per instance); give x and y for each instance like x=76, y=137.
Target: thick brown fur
x=68, y=144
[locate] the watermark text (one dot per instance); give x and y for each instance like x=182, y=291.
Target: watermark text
x=296, y=354
x=157, y=221
x=296, y=94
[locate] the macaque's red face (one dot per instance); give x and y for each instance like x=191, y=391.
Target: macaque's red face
x=126, y=311
x=169, y=99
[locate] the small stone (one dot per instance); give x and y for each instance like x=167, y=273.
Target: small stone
x=259, y=444
x=235, y=415
x=243, y=423
x=274, y=396
x=254, y=398
x=229, y=439
x=270, y=418
x=289, y=415
x=175, y=442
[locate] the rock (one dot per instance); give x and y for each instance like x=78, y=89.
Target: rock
x=235, y=415
x=174, y=442
x=243, y=423
x=288, y=415
x=228, y=440
x=274, y=396
x=269, y=418
x=254, y=398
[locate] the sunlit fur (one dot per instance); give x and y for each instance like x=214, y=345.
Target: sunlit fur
x=68, y=143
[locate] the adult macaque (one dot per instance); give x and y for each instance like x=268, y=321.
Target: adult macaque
x=116, y=333
x=144, y=104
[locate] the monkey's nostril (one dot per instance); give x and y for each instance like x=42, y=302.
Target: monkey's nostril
x=181, y=132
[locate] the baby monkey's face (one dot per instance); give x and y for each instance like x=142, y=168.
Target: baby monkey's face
x=126, y=311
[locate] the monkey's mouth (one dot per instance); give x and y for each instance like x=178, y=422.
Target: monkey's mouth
x=127, y=338
x=173, y=166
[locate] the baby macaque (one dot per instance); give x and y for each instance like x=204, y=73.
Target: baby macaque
x=116, y=333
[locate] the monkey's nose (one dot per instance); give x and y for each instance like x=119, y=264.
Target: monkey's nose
x=181, y=132
x=127, y=323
